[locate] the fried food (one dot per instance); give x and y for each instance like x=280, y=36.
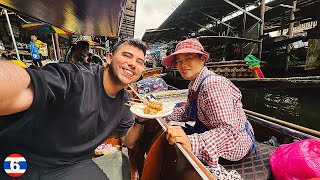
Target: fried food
x=155, y=105
x=152, y=107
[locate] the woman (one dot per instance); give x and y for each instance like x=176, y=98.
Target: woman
x=221, y=128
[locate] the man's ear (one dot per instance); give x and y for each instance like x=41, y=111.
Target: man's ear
x=109, y=59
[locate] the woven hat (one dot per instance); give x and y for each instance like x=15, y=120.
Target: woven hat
x=186, y=46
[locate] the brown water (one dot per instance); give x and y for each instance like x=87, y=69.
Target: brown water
x=298, y=106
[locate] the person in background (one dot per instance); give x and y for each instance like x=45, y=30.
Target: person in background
x=79, y=53
x=7, y=55
x=221, y=128
x=34, y=46
x=62, y=112
x=96, y=59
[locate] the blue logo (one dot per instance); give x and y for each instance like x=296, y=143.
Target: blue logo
x=15, y=165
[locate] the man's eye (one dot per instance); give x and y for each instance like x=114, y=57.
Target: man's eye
x=140, y=62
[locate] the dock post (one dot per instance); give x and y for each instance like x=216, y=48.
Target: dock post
x=290, y=32
x=262, y=11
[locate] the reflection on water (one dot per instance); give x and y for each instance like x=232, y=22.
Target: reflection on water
x=299, y=106
x=283, y=103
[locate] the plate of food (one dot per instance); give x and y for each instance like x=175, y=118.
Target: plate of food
x=152, y=109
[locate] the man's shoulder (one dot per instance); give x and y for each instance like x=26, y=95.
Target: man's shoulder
x=126, y=95
x=74, y=67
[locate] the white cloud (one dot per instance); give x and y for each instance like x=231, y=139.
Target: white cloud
x=150, y=14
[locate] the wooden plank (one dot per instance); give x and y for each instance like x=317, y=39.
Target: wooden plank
x=287, y=124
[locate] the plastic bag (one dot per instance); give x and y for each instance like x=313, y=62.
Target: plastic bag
x=297, y=161
x=151, y=84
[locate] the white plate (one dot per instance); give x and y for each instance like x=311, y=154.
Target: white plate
x=137, y=109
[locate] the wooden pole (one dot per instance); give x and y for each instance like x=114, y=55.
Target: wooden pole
x=287, y=124
x=282, y=23
x=290, y=32
x=244, y=30
x=54, y=48
x=262, y=11
x=56, y=39
x=11, y=33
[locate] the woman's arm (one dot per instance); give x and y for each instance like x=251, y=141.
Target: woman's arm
x=179, y=113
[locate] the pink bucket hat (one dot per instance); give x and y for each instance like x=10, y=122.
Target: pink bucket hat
x=186, y=46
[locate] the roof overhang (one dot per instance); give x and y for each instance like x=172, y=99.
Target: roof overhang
x=94, y=17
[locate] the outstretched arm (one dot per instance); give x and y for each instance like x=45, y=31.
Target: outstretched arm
x=16, y=90
x=132, y=135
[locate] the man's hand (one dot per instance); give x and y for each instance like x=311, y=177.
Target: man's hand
x=134, y=132
x=141, y=119
x=175, y=134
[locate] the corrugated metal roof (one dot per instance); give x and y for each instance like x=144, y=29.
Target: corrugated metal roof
x=193, y=15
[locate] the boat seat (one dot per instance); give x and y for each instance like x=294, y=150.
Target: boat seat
x=255, y=166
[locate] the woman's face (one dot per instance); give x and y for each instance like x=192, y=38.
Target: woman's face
x=84, y=57
x=189, y=65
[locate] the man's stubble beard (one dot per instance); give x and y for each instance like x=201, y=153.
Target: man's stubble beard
x=116, y=79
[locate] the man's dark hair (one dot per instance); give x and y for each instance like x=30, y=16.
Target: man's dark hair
x=133, y=42
x=82, y=45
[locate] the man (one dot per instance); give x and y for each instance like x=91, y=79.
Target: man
x=63, y=111
x=34, y=46
x=79, y=51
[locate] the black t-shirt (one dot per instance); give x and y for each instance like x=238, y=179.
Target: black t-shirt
x=70, y=116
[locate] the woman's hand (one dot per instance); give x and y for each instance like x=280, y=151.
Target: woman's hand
x=175, y=134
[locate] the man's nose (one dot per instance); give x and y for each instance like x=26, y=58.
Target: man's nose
x=132, y=62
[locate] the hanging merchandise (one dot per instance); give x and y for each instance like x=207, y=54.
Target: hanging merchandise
x=254, y=64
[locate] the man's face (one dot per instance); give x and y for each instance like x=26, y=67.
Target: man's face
x=33, y=38
x=127, y=64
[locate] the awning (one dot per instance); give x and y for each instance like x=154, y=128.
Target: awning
x=87, y=17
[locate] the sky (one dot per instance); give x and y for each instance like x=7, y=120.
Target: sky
x=151, y=13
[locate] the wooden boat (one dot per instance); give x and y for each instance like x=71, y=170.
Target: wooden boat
x=240, y=74
x=255, y=166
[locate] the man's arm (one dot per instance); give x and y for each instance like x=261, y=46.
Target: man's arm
x=133, y=134
x=16, y=90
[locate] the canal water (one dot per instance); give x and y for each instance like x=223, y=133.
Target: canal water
x=299, y=106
